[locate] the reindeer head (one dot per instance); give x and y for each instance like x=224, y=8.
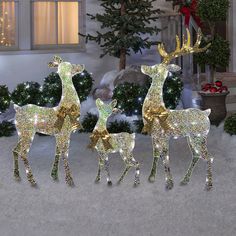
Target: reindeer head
x=160, y=71
x=65, y=69
x=106, y=110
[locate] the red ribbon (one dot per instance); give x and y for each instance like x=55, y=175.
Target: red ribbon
x=191, y=11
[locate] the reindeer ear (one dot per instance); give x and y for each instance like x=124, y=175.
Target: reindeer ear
x=99, y=103
x=76, y=69
x=173, y=68
x=113, y=103
x=55, y=62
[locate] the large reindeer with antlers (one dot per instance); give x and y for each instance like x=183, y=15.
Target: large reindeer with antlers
x=59, y=121
x=162, y=123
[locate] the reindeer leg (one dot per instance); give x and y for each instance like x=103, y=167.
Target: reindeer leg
x=165, y=159
x=109, y=182
x=156, y=156
x=100, y=165
x=209, y=158
x=63, y=142
x=15, y=152
x=194, y=145
x=209, y=184
x=25, y=144
x=68, y=177
x=127, y=167
x=54, y=172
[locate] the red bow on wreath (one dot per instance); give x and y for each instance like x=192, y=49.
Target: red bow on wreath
x=189, y=11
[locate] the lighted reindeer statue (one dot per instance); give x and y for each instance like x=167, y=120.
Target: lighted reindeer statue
x=59, y=121
x=106, y=143
x=162, y=123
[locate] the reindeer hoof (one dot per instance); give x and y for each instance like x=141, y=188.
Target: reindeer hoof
x=208, y=187
x=136, y=183
x=97, y=180
x=33, y=183
x=54, y=177
x=17, y=175
x=151, y=179
x=184, y=182
x=70, y=181
x=109, y=183
x=169, y=184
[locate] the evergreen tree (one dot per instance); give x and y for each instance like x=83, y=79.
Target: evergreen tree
x=126, y=22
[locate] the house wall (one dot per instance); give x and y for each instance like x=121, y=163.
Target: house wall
x=232, y=35
x=16, y=68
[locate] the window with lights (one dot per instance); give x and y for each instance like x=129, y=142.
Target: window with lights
x=42, y=25
x=8, y=24
x=55, y=23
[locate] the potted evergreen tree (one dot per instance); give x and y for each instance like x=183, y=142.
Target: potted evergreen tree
x=214, y=93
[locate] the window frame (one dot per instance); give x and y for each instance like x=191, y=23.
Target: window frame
x=16, y=45
x=24, y=31
x=58, y=46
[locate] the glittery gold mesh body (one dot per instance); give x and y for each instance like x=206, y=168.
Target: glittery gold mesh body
x=59, y=121
x=106, y=143
x=162, y=124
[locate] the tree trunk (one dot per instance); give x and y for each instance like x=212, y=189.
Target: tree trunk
x=122, y=59
x=123, y=50
x=212, y=74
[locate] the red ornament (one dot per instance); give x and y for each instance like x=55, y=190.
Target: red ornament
x=206, y=87
x=218, y=83
x=213, y=90
x=224, y=88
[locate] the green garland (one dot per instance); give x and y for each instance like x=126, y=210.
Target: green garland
x=52, y=87
x=5, y=98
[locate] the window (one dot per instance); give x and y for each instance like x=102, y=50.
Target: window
x=41, y=25
x=55, y=23
x=8, y=26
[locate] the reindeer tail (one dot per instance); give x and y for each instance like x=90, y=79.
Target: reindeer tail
x=207, y=112
x=16, y=107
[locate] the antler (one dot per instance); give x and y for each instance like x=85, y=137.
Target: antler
x=55, y=63
x=185, y=49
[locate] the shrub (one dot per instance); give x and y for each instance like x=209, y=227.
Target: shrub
x=5, y=98
x=230, y=125
x=213, y=10
x=130, y=96
x=88, y=123
x=6, y=129
x=119, y=126
x=52, y=87
x=28, y=93
x=217, y=55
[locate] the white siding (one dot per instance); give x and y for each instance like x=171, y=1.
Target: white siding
x=33, y=67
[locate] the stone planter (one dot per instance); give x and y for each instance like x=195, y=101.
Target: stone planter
x=216, y=102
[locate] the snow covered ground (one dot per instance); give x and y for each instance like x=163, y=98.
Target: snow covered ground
x=53, y=209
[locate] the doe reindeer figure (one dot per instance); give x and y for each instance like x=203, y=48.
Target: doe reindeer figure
x=106, y=143
x=58, y=121
x=162, y=123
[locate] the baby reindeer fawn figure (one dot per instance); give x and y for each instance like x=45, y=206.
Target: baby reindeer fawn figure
x=59, y=121
x=106, y=143
x=162, y=123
